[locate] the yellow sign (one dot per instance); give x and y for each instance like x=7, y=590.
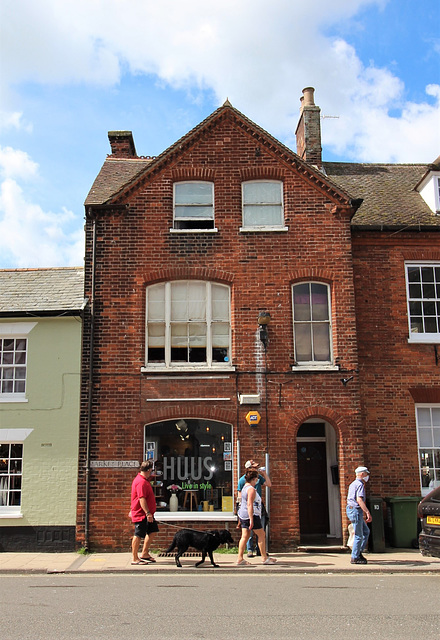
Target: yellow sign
x=253, y=417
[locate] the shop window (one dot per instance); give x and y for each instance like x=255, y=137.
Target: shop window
x=11, y=465
x=193, y=205
x=428, y=431
x=312, y=323
x=188, y=324
x=193, y=463
x=423, y=295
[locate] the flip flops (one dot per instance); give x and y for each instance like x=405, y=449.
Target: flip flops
x=244, y=563
x=148, y=559
x=139, y=562
x=269, y=560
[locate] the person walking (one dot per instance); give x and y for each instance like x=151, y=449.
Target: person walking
x=358, y=514
x=143, y=508
x=263, y=481
x=249, y=514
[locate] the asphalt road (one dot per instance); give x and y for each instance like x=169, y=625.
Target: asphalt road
x=220, y=607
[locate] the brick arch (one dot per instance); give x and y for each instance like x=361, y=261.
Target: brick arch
x=420, y=255
x=324, y=413
x=261, y=173
x=187, y=273
x=193, y=173
x=307, y=273
x=190, y=410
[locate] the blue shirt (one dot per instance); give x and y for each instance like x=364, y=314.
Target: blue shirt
x=258, y=486
x=355, y=490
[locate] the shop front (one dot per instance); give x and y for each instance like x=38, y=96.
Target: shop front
x=193, y=468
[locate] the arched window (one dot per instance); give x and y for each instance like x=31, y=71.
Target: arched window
x=312, y=323
x=188, y=323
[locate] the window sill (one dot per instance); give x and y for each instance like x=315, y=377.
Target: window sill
x=215, y=230
x=10, y=514
x=424, y=338
x=188, y=369
x=263, y=229
x=312, y=368
x=12, y=398
x=169, y=516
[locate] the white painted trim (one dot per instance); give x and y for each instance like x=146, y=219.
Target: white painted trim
x=8, y=436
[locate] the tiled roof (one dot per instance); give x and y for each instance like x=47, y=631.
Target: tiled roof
x=41, y=290
x=388, y=192
x=115, y=174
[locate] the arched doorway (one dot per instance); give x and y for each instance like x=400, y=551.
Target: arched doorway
x=318, y=482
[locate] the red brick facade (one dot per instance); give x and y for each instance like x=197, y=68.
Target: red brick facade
x=364, y=398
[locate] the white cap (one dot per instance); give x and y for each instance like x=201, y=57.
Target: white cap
x=361, y=470
x=250, y=464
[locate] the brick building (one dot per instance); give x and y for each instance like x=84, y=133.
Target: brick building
x=249, y=301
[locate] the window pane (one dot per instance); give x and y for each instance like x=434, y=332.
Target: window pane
x=425, y=437
x=10, y=474
x=427, y=274
x=413, y=274
x=436, y=437
x=262, y=193
x=156, y=303
x=303, y=343
x=193, y=212
x=423, y=417
x=220, y=303
x=321, y=342
x=435, y=413
x=193, y=193
x=301, y=302
x=196, y=301
x=319, y=302
x=262, y=215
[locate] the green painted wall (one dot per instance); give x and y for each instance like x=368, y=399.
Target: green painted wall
x=50, y=452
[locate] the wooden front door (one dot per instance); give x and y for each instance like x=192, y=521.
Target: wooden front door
x=312, y=484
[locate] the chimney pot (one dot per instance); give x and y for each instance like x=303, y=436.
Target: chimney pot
x=309, y=100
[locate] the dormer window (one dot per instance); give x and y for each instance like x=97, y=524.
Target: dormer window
x=193, y=205
x=429, y=189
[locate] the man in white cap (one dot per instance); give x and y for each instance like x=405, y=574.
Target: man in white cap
x=358, y=514
x=263, y=481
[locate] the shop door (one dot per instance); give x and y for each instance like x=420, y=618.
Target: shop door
x=312, y=484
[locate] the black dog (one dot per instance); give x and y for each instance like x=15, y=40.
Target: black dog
x=204, y=541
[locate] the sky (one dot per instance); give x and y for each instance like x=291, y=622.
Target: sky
x=72, y=70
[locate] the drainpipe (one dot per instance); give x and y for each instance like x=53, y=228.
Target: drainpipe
x=90, y=386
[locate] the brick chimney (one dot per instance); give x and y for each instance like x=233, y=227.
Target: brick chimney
x=122, y=144
x=308, y=131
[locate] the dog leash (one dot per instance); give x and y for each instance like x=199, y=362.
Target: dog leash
x=168, y=524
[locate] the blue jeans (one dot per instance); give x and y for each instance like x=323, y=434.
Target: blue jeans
x=361, y=530
x=252, y=542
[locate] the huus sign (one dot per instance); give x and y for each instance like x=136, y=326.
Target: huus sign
x=185, y=468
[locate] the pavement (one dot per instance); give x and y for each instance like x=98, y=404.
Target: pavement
x=393, y=560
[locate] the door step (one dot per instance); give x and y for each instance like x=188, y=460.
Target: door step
x=308, y=548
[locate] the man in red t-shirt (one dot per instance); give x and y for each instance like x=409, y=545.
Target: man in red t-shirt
x=143, y=508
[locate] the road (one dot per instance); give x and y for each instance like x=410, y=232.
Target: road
x=223, y=607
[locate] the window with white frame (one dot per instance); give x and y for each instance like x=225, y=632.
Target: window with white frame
x=188, y=323
x=312, y=323
x=12, y=366
x=11, y=468
x=423, y=295
x=262, y=204
x=428, y=431
x=193, y=205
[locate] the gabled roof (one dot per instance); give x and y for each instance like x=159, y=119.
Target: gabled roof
x=390, y=199
x=120, y=173
x=57, y=291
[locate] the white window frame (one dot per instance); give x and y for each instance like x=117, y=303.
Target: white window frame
x=314, y=364
x=208, y=224
x=436, y=467
x=16, y=331
x=10, y=437
x=416, y=337
x=209, y=322
x=263, y=227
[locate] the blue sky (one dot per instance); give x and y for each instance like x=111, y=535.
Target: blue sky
x=73, y=70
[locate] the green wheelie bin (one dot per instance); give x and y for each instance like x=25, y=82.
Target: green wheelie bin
x=402, y=521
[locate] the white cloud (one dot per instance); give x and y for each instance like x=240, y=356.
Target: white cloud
x=16, y=164
x=258, y=54
x=31, y=237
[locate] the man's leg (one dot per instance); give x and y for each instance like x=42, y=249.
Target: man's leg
x=250, y=544
x=355, y=516
x=365, y=536
x=146, y=546
x=135, y=543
